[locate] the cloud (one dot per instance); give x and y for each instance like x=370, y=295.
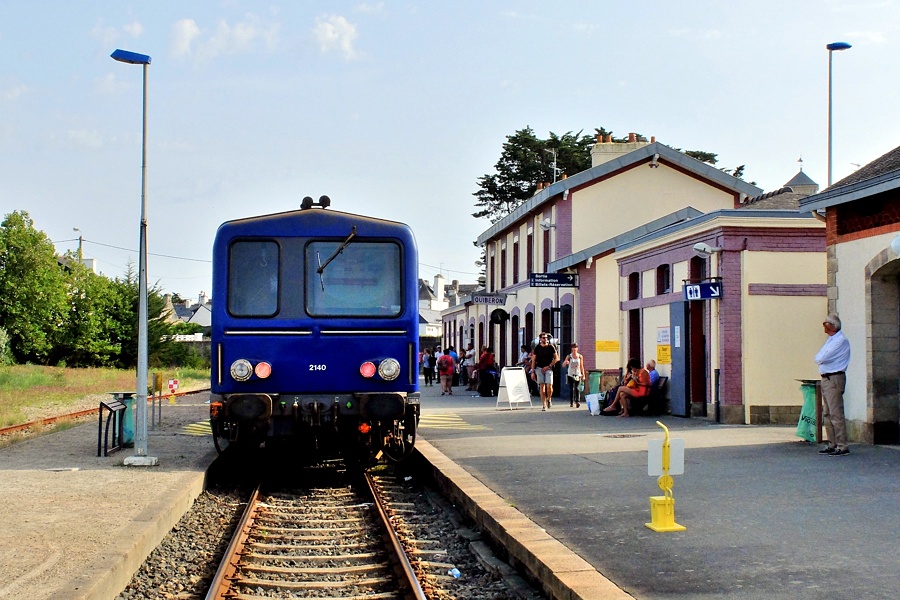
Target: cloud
x=134, y=29
x=697, y=34
x=184, y=32
x=334, y=32
x=85, y=138
x=109, y=85
x=109, y=35
x=370, y=9
x=873, y=37
x=14, y=92
x=244, y=37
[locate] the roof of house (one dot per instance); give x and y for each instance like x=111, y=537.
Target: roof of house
x=425, y=291
x=679, y=220
x=626, y=160
x=800, y=178
x=782, y=199
x=880, y=175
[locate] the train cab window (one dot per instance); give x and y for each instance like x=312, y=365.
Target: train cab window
x=364, y=279
x=253, y=279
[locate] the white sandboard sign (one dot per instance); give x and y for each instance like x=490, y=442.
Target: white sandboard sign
x=513, y=388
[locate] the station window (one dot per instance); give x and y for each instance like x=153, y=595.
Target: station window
x=663, y=280
x=634, y=286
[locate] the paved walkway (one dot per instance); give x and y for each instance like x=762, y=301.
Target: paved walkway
x=766, y=516
x=77, y=526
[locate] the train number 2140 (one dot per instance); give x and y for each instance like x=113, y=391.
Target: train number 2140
x=317, y=367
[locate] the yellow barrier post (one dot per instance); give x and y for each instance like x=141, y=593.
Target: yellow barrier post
x=662, y=508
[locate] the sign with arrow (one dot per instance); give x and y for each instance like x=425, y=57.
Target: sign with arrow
x=711, y=290
x=553, y=280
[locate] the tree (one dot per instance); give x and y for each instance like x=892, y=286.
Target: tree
x=92, y=333
x=525, y=162
x=33, y=303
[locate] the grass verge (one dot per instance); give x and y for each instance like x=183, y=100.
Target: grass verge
x=30, y=392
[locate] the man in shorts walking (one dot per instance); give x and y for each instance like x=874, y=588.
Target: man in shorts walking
x=542, y=360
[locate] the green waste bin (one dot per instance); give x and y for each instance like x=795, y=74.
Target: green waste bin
x=127, y=416
x=806, y=427
x=593, y=382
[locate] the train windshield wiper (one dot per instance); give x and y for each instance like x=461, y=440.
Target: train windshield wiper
x=340, y=249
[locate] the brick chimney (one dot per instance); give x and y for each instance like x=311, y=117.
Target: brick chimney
x=606, y=150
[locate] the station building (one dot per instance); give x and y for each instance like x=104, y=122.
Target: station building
x=609, y=256
x=862, y=214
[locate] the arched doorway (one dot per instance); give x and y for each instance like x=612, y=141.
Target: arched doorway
x=882, y=424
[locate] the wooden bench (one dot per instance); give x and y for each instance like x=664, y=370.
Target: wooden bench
x=653, y=403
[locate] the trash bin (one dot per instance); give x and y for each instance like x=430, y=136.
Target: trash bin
x=593, y=382
x=128, y=425
x=806, y=427
x=126, y=398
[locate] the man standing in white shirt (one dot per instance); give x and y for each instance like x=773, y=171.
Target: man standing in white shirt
x=833, y=360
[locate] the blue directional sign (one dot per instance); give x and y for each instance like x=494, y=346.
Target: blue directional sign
x=552, y=280
x=711, y=290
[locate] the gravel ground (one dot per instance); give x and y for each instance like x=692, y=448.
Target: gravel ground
x=184, y=564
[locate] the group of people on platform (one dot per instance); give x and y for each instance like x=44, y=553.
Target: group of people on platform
x=476, y=370
x=482, y=374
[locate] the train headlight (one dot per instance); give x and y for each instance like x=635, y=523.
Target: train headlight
x=367, y=370
x=241, y=370
x=263, y=370
x=389, y=369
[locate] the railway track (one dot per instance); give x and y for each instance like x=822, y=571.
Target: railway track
x=325, y=542
x=71, y=416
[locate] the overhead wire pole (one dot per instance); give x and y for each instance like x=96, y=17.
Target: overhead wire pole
x=140, y=409
x=832, y=48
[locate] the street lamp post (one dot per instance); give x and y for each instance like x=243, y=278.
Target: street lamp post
x=140, y=408
x=833, y=47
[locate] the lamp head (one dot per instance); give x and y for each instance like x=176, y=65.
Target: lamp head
x=704, y=250
x=836, y=46
x=895, y=245
x=132, y=58
x=546, y=225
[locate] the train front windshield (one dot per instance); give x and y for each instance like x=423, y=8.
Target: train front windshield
x=362, y=279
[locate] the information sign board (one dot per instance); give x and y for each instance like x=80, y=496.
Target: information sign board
x=710, y=290
x=553, y=280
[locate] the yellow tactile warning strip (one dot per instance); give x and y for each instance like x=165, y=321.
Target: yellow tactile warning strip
x=448, y=421
x=198, y=428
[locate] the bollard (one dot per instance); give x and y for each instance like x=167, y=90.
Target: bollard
x=662, y=508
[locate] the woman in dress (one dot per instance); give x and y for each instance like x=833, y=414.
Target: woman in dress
x=637, y=387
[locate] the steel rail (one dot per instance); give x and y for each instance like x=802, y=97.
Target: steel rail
x=408, y=571
x=75, y=415
x=219, y=587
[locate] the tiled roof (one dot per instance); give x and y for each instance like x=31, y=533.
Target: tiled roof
x=783, y=199
x=800, y=178
x=880, y=176
x=883, y=164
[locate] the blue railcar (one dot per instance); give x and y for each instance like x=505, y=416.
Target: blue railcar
x=315, y=335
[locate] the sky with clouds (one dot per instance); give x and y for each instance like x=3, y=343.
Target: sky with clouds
x=395, y=109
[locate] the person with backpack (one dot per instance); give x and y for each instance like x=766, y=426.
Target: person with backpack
x=446, y=369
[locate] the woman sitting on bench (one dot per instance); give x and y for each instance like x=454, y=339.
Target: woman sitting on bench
x=638, y=386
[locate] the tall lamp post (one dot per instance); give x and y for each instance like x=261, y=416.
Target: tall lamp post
x=833, y=47
x=140, y=408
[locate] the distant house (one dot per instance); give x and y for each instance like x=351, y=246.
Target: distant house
x=189, y=311
x=432, y=300
x=862, y=225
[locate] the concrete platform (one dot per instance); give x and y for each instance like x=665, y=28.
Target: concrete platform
x=77, y=526
x=766, y=516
